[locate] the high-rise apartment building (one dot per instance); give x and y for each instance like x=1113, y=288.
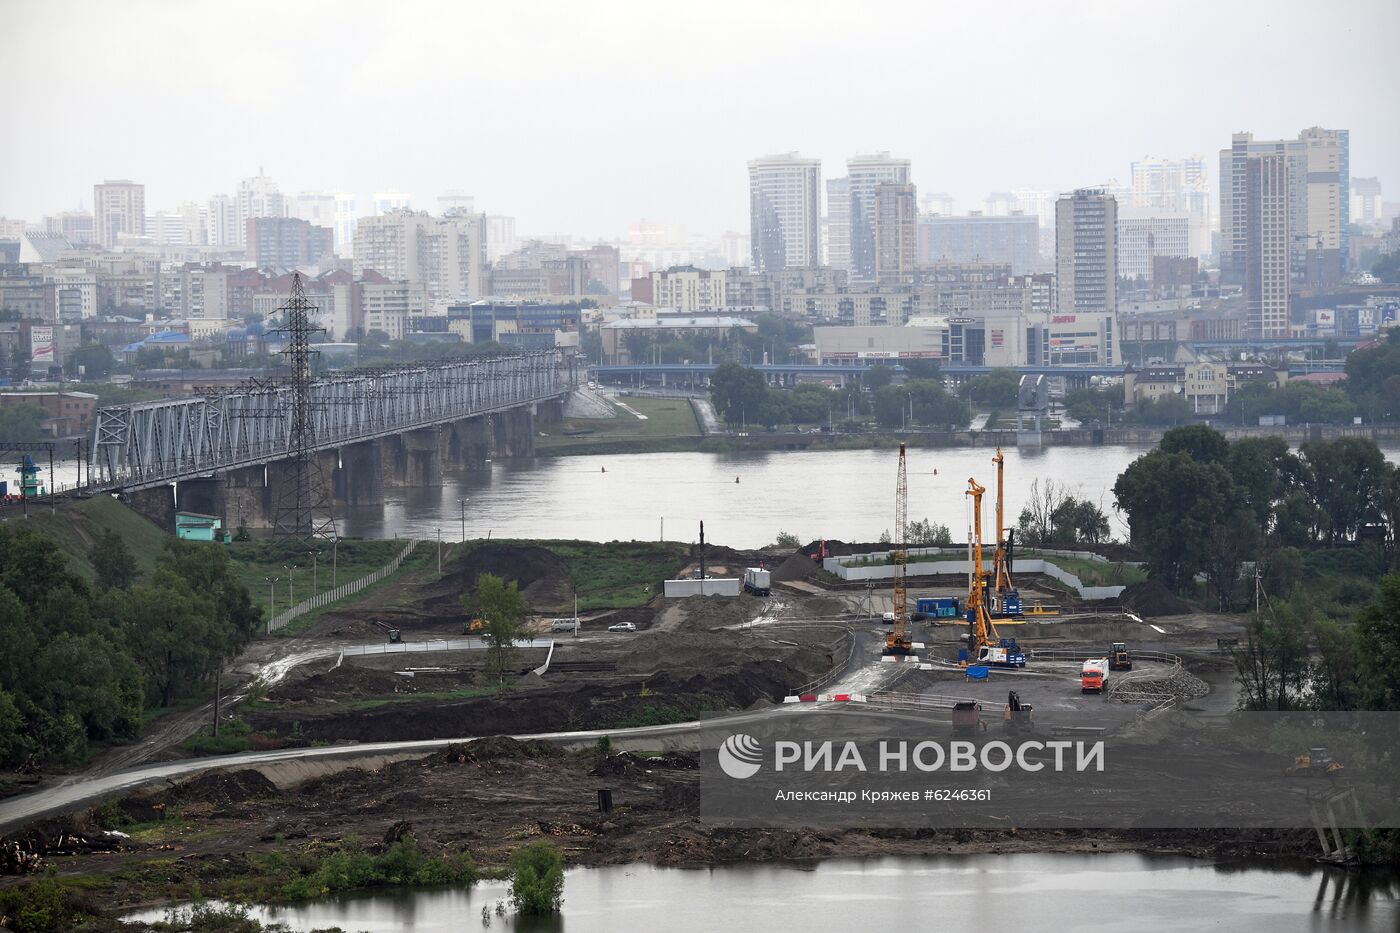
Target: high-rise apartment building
x=838, y=223
x=1014, y=240
x=939, y=202
x=1318, y=168
x=257, y=196
x=118, y=207
x=447, y=255
x=388, y=201
x=784, y=212
x=1144, y=234
x=77, y=226
x=500, y=236
x=1329, y=204
x=688, y=289
x=1366, y=204
x=287, y=242
x=222, y=221
x=1266, y=223
x=1170, y=187
x=315, y=207
x=866, y=172
x=896, y=233
x=1086, y=278
x=347, y=215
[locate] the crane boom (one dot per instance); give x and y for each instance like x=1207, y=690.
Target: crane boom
x=1001, y=564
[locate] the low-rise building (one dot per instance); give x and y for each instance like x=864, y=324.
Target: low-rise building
x=69, y=413
x=1206, y=386
x=618, y=349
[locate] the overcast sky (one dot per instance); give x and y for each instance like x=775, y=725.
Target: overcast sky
x=586, y=116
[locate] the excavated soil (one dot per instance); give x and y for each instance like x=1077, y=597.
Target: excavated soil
x=543, y=578
x=1152, y=599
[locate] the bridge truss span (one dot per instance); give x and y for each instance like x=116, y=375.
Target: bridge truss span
x=150, y=444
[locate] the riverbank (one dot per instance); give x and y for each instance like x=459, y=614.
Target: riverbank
x=818, y=440
x=238, y=835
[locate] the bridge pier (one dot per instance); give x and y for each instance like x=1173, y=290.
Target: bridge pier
x=422, y=457
x=360, y=479
x=247, y=499
x=204, y=496
x=467, y=443
x=513, y=433
x=156, y=503
x=393, y=461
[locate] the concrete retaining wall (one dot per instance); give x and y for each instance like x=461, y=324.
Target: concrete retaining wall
x=916, y=568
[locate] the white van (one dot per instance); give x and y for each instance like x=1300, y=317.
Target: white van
x=564, y=625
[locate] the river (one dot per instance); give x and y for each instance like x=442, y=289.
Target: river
x=845, y=494
x=988, y=893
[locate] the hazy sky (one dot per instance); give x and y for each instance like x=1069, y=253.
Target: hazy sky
x=586, y=116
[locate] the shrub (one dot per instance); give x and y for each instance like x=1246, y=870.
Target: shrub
x=537, y=879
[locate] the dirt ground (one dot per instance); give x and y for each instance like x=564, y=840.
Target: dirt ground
x=207, y=827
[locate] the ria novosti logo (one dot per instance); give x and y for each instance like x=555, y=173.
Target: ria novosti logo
x=740, y=756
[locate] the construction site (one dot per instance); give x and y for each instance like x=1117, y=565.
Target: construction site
x=356, y=724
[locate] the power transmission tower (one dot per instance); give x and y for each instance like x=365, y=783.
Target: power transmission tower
x=303, y=508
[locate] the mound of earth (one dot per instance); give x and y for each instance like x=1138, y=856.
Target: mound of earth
x=1151, y=598
x=640, y=616
x=542, y=576
x=797, y=567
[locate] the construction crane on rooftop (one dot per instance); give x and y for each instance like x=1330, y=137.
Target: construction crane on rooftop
x=897, y=642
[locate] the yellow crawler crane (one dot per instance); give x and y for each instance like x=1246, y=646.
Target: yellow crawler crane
x=984, y=646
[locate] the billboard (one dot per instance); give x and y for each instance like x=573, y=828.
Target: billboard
x=41, y=344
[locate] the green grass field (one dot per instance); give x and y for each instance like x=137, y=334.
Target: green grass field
x=256, y=562
x=665, y=417
x=78, y=524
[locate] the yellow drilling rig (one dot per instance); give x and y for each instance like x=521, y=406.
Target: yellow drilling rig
x=984, y=646
x=1007, y=599
x=897, y=642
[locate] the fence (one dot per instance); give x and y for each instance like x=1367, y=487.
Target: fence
x=340, y=592
x=842, y=567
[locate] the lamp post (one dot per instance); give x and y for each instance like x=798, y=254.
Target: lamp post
x=315, y=556
x=291, y=585
x=462, y=503
x=271, y=600
x=335, y=545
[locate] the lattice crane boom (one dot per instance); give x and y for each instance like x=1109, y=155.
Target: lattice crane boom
x=898, y=641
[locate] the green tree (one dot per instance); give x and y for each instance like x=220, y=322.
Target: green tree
x=20, y=363
x=878, y=376
x=14, y=743
x=502, y=610
x=1159, y=412
x=1172, y=502
x=112, y=562
x=1378, y=630
x=22, y=424
x=537, y=879
x=170, y=628
x=787, y=540
x=925, y=533
x=1264, y=471
x=1345, y=479
x=1372, y=376
x=922, y=368
x=1273, y=665
x=738, y=392
x=996, y=389
x=1200, y=442
x=92, y=360
x=1229, y=542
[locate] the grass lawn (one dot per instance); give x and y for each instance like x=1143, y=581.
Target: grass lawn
x=78, y=524
x=255, y=561
x=665, y=417
x=619, y=574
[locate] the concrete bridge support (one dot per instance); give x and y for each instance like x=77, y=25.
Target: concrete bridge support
x=513, y=433
x=360, y=478
x=247, y=499
x=205, y=496
x=393, y=461
x=156, y=503
x=423, y=457
x=467, y=443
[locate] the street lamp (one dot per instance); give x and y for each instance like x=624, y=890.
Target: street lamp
x=291, y=585
x=271, y=600
x=463, y=504
x=315, y=576
x=335, y=546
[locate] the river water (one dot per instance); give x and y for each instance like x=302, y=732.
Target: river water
x=845, y=494
x=986, y=893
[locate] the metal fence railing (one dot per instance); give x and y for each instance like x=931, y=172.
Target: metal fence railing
x=347, y=589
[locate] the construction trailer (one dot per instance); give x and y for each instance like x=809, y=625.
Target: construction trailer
x=757, y=581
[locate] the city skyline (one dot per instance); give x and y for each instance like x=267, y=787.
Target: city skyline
x=300, y=115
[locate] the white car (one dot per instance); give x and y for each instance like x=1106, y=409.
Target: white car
x=622, y=627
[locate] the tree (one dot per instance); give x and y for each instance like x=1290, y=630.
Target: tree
x=112, y=562
x=1036, y=525
x=91, y=360
x=1162, y=411
x=738, y=392
x=1273, y=666
x=22, y=424
x=878, y=377
x=537, y=879
x=1200, y=442
x=1372, y=375
x=1172, y=502
x=929, y=534
x=996, y=389
x=170, y=631
x=787, y=540
x=1344, y=478
x=1263, y=470
x=1228, y=544
x=1378, y=630
x=20, y=362
x=922, y=368
x=502, y=609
